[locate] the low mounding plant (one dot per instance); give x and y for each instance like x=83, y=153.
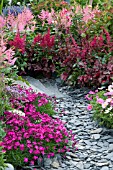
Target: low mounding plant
x=90, y=60
x=102, y=104
x=2, y=154
x=48, y=5
x=31, y=133
x=6, y=61
x=19, y=98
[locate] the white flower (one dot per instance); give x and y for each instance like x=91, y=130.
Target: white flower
x=10, y=1
x=108, y=110
x=18, y=3
x=19, y=112
x=108, y=100
x=110, y=88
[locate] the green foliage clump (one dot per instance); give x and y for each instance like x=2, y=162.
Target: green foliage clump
x=102, y=106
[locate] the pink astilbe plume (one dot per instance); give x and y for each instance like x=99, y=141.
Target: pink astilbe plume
x=89, y=13
x=21, y=22
x=60, y=19
x=65, y=18
x=6, y=55
x=2, y=22
x=47, y=16
x=24, y=18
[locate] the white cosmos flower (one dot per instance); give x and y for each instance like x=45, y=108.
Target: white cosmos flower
x=109, y=109
x=110, y=88
x=108, y=100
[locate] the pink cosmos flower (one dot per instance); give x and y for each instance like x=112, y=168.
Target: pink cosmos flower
x=100, y=101
x=89, y=107
x=104, y=105
x=87, y=97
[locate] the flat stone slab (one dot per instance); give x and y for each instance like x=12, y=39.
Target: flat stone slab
x=47, y=88
x=23, y=84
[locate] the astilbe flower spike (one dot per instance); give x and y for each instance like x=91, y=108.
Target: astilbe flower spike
x=45, y=41
x=19, y=43
x=6, y=55
x=21, y=21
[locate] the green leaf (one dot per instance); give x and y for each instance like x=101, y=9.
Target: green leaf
x=1, y=6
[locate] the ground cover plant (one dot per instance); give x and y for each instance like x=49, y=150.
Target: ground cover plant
x=31, y=114
x=6, y=61
x=101, y=102
x=2, y=154
x=31, y=132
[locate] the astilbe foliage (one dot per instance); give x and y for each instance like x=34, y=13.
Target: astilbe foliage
x=98, y=60
x=41, y=55
x=46, y=41
x=93, y=56
x=32, y=134
x=48, y=5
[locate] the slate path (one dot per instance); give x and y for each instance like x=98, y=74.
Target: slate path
x=95, y=147
x=95, y=144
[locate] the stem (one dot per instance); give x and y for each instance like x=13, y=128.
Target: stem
x=1, y=6
x=91, y=2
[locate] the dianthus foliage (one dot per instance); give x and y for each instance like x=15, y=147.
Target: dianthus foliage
x=30, y=131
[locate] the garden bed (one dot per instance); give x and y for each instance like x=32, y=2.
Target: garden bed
x=55, y=39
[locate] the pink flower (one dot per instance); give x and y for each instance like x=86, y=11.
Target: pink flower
x=25, y=159
x=91, y=92
x=22, y=147
x=31, y=151
x=89, y=107
x=100, y=101
x=2, y=22
x=87, y=97
x=35, y=157
x=19, y=43
x=108, y=93
x=104, y=105
x=32, y=162
x=108, y=100
x=17, y=143
x=35, y=129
